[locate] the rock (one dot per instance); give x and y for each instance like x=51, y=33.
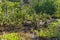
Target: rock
x=55, y=20
x=27, y=23
x=40, y=23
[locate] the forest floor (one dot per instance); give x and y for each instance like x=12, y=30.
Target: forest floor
x=25, y=34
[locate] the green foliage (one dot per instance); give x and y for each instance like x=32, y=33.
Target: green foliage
x=16, y=13
x=13, y=13
x=40, y=10
x=46, y=6
x=51, y=31
x=12, y=36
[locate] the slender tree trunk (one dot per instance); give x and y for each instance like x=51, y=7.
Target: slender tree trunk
x=30, y=2
x=21, y=2
x=0, y=5
x=6, y=10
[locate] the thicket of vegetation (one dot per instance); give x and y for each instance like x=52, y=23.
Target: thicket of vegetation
x=21, y=15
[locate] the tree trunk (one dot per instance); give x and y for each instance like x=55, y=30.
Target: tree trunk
x=0, y=5
x=6, y=10
x=21, y=2
x=30, y=2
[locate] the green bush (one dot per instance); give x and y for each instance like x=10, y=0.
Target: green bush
x=40, y=10
x=12, y=36
x=51, y=31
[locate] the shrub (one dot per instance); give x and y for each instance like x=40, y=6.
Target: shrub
x=12, y=36
x=51, y=31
